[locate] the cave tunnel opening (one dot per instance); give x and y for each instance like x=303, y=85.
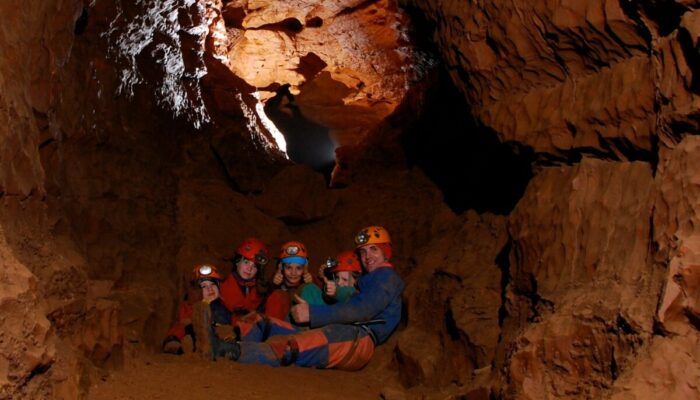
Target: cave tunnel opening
x=308, y=143
x=465, y=159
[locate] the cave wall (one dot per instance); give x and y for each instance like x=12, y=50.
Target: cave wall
x=130, y=151
x=100, y=111
x=598, y=283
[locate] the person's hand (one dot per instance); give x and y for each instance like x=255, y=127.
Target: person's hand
x=224, y=332
x=278, y=278
x=210, y=296
x=321, y=271
x=307, y=276
x=300, y=312
x=330, y=287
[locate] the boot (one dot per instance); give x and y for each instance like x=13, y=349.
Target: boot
x=220, y=348
x=172, y=345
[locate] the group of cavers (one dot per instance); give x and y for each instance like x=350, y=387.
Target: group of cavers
x=333, y=321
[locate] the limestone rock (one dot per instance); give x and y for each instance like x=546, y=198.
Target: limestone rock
x=358, y=48
x=590, y=287
x=453, y=302
x=561, y=76
x=668, y=370
x=297, y=195
x=677, y=236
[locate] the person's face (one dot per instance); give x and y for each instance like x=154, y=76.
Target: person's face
x=246, y=269
x=344, y=278
x=371, y=256
x=210, y=291
x=292, y=272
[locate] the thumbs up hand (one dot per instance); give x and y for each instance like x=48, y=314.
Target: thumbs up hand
x=300, y=312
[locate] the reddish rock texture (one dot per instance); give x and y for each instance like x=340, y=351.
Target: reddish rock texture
x=347, y=62
x=599, y=76
x=131, y=149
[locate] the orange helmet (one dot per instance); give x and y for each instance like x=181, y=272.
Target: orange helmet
x=294, y=252
x=372, y=235
x=345, y=261
x=254, y=250
x=205, y=272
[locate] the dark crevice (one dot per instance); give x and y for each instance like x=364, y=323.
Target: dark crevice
x=630, y=9
x=451, y=325
x=233, y=16
x=464, y=159
x=503, y=263
x=614, y=369
x=693, y=318
x=444, y=274
x=38, y=370
x=538, y=304
x=46, y=143
x=658, y=329
x=665, y=13
x=82, y=22
x=291, y=26
x=692, y=57
x=314, y=22
x=625, y=327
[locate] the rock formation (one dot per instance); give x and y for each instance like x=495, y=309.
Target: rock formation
x=133, y=145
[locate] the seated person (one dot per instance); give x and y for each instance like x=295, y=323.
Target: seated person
x=203, y=286
x=240, y=291
x=292, y=274
x=339, y=276
x=346, y=333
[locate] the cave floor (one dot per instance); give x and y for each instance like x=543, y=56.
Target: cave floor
x=163, y=376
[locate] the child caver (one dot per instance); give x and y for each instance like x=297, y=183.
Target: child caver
x=339, y=276
x=203, y=286
x=292, y=275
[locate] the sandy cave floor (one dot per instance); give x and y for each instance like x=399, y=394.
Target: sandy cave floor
x=162, y=376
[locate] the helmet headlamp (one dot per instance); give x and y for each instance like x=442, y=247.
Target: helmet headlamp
x=362, y=237
x=292, y=250
x=205, y=270
x=261, y=258
x=331, y=263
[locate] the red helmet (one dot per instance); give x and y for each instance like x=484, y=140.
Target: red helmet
x=254, y=250
x=294, y=251
x=205, y=272
x=346, y=261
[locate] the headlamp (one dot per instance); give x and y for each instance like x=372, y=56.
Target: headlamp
x=292, y=250
x=362, y=237
x=205, y=270
x=331, y=263
x=261, y=258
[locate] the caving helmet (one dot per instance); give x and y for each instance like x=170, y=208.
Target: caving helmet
x=254, y=250
x=205, y=272
x=294, y=252
x=374, y=235
x=344, y=261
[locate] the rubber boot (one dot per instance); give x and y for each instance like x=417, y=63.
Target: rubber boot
x=172, y=345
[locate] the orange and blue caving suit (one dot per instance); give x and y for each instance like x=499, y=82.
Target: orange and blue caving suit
x=345, y=334
x=256, y=327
